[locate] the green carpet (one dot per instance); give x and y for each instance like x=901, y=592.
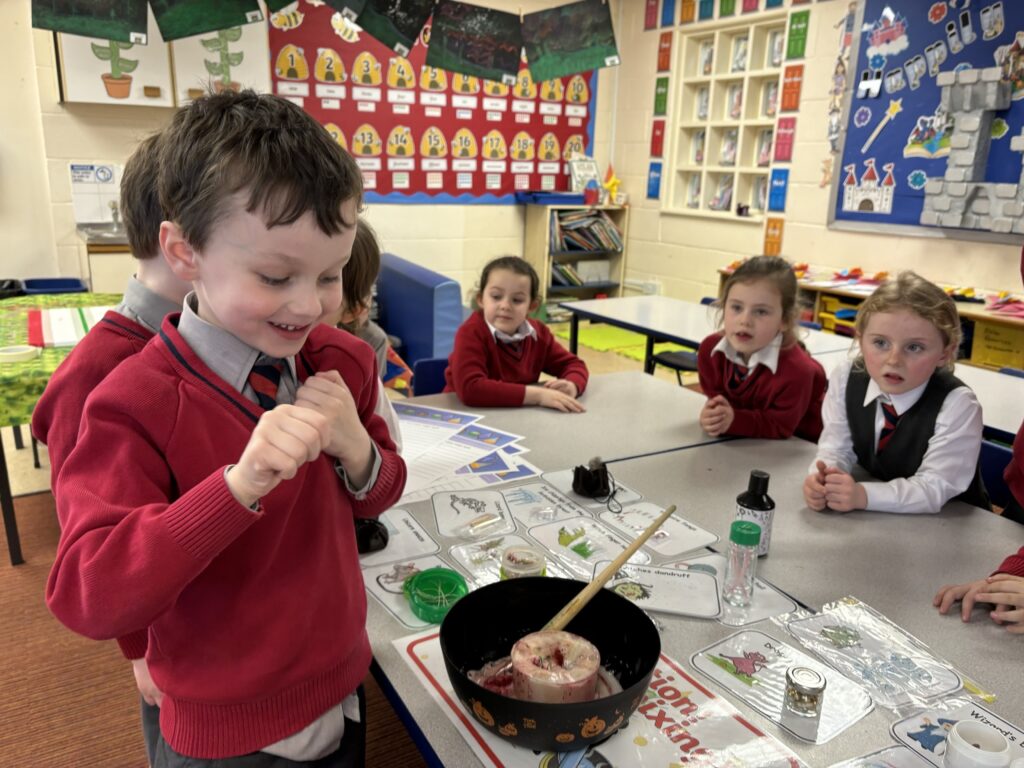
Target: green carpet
x=608, y=338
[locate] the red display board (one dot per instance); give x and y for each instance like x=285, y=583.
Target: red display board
x=421, y=134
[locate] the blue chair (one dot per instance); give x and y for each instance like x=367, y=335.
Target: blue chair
x=994, y=458
x=810, y=324
x=428, y=375
x=683, y=359
x=1013, y=372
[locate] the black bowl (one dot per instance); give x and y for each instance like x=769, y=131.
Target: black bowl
x=482, y=627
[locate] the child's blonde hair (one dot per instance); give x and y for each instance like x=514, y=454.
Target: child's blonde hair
x=779, y=272
x=911, y=292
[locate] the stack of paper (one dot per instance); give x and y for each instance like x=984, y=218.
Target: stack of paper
x=450, y=450
x=62, y=327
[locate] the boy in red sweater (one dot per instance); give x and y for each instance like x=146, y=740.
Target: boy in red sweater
x=500, y=353
x=210, y=498
x=154, y=292
x=758, y=380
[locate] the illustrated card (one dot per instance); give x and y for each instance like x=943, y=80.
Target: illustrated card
x=667, y=590
x=675, y=537
x=925, y=733
x=896, y=668
x=385, y=582
x=752, y=666
x=562, y=480
x=535, y=503
x=890, y=757
x=407, y=539
x=482, y=559
x=471, y=514
x=766, y=602
x=678, y=722
x=581, y=542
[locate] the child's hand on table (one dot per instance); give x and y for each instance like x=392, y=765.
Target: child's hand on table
x=552, y=398
x=716, y=416
x=562, y=385
x=347, y=440
x=284, y=439
x=1003, y=590
x=814, y=488
x=150, y=693
x=842, y=492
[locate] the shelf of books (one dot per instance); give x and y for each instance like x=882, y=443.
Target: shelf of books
x=579, y=252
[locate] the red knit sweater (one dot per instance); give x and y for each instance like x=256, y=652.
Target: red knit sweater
x=769, y=405
x=57, y=415
x=1013, y=564
x=256, y=619
x=1014, y=472
x=486, y=373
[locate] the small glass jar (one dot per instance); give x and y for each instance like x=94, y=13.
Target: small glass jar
x=741, y=562
x=805, y=691
x=522, y=561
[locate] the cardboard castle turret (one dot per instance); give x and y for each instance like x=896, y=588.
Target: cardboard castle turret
x=963, y=198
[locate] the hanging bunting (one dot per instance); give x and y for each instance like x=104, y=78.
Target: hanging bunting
x=125, y=22
x=475, y=41
x=569, y=39
x=184, y=18
x=396, y=23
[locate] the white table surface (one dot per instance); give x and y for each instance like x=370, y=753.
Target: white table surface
x=683, y=322
x=628, y=414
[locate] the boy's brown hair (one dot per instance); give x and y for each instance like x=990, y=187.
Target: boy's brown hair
x=359, y=275
x=140, y=202
x=911, y=292
x=265, y=147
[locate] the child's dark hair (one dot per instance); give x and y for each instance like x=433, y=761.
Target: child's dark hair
x=140, y=203
x=360, y=273
x=911, y=292
x=264, y=146
x=516, y=265
x=777, y=270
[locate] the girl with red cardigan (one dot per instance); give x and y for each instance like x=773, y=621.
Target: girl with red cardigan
x=500, y=353
x=759, y=381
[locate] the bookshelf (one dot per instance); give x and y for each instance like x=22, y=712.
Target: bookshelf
x=724, y=126
x=578, y=251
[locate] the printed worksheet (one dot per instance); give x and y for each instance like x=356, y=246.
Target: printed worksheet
x=752, y=666
x=385, y=582
x=407, y=540
x=890, y=757
x=473, y=515
x=925, y=733
x=482, y=559
x=666, y=590
x=766, y=602
x=562, y=480
x=535, y=503
x=580, y=542
x=424, y=427
x=675, y=537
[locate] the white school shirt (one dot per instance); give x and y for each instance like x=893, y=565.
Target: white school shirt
x=949, y=462
x=767, y=356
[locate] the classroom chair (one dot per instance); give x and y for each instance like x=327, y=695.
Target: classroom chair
x=680, y=360
x=810, y=324
x=994, y=458
x=1013, y=372
x=428, y=375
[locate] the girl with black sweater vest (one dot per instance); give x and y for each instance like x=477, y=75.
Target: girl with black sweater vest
x=898, y=411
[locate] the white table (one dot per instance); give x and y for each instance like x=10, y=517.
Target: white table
x=661, y=318
x=628, y=414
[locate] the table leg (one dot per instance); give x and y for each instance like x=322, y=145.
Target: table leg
x=7, y=503
x=35, y=454
x=649, y=355
x=19, y=443
x=574, y=330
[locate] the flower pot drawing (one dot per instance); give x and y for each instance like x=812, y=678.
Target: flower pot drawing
x=117, y=87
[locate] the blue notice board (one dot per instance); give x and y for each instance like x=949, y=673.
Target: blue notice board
x=897, y=134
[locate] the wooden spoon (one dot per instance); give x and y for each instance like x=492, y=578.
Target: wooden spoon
x=574, y=606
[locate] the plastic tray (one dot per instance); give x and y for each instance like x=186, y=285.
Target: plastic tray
x=54, y=285
x=10, y=287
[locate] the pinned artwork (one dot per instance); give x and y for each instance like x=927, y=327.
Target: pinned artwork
x=569, y=39
x=475, y=41
x=867, y=192
x=93, y=20
x=185, y=18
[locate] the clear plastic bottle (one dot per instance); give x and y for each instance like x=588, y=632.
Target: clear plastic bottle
x=741, y=562
x=755, y=505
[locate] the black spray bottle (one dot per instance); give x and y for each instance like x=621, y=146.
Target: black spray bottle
x=755, y=505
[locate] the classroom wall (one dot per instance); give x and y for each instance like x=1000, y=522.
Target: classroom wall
x=684, y=252
x=456, y=240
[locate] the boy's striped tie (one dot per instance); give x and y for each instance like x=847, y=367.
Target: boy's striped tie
x=891, y=420
x=264, y=379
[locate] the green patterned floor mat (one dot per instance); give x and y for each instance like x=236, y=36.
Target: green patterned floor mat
x=608, y=338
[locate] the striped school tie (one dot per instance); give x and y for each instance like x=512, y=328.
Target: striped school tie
x=264, y=379
x=891, y=420
x=738, y=374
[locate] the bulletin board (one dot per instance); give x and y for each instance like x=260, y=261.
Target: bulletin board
x=897, y=135
x=421, y=134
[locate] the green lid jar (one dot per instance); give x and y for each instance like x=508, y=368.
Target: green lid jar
x=745, y=533
x=431, y=593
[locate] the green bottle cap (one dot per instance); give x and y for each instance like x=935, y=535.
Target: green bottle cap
x=745, y=533
x=432, y=592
